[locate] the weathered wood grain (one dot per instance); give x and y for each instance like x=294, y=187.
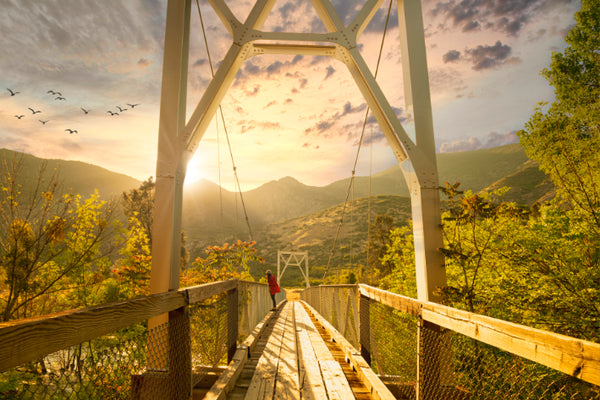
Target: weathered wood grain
x=401, y=303
x=572, y=356
x=27, y=340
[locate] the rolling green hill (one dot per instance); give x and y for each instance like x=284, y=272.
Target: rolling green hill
x=74, y=176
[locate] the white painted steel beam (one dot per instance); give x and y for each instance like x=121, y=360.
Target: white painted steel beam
x=167, y=213
x=178, y=141
x=425, y=201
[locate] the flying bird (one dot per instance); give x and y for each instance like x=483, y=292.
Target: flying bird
x=34, y=111
x=121, y=109
x=84, y=110
x=132, y=105
x=71, y=131
x=60, y=98
x=19, y=116
x=12, y=92
x=54, y=93
x=43, y=122
x=112, y=113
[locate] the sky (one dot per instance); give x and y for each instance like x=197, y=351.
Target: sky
x=74, y=62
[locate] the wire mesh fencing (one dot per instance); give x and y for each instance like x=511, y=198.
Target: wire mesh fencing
x=338, y=304
x=138, y=362
x=255, y=302
x=420, y=360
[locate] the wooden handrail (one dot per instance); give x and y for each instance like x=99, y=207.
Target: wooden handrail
x=575, y=357
x=30, y=339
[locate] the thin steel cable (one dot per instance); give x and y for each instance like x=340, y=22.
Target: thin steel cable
x=212, y=72
x=387, y=19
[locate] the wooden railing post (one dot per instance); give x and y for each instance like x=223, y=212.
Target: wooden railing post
x=232, y=323
x=180, y=354
x=364, y=326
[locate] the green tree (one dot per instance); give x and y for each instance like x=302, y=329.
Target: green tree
x=400, y=253
x=475, y=228
x=565, y=140
x=222, y=262
x=379, y=239
x=46, y=239
x=139, y=203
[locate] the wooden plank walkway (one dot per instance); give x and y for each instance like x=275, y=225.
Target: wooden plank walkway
x=293, y=357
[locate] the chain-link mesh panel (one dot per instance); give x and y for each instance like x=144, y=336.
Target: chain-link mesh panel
x=209, y=332
x=312, y=296
x=339, y=306
x=114, y=366
x=393, y=343
x=458, y=367
x=135, y=362
x=254, y=303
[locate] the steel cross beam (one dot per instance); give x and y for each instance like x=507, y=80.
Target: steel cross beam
x=249, y=41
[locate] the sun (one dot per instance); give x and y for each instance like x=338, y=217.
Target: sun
x=195, y=172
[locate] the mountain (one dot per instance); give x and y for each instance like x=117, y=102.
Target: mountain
x=287, y=198
x=74, y=176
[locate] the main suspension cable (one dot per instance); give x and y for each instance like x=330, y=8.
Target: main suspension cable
x=332, y=253
x=212, y=72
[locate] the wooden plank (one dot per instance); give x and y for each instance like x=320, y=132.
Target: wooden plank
x=401, y=303
x=286, y=381
x=226, y=381
x=575, y=357
x=311, y=382
x=208, y=290
x=365, y=373
x=336, y=384
x=27, y=340
x=262, y=385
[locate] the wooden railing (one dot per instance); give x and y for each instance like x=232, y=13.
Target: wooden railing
x=30, y=340
x=350, y=309
x=575, y=357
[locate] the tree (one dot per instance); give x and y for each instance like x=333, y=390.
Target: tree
x=139, y=203
x=400, y=253
x=379, y=239
x=46, y=239
x=565, y=141
x=222, y=262
x=475, y=228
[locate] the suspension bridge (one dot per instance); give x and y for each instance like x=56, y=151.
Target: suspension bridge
x=222, y=339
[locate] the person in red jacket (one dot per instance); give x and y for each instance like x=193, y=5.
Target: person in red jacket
x=273, y=287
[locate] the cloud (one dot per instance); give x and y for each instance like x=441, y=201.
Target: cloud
x=348, y=109
x=247, y=126
x=470, y=26
x=508, y=16
x=485, y=57
x=493, y=139
x=143, y=62
x=330, y=72
x=451, y=56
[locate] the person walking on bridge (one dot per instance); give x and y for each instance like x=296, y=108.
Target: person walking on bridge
x=273, y=287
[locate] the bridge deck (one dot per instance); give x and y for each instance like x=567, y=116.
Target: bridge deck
x=294, y=358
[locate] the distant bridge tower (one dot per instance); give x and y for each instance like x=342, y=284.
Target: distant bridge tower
x=293, y=258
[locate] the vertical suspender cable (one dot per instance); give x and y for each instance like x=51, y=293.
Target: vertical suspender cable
x=212, y=72
x=387, y=20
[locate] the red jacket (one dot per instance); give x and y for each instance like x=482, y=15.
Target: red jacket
x=273, y=286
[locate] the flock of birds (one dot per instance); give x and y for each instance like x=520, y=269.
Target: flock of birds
x=59, y=97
